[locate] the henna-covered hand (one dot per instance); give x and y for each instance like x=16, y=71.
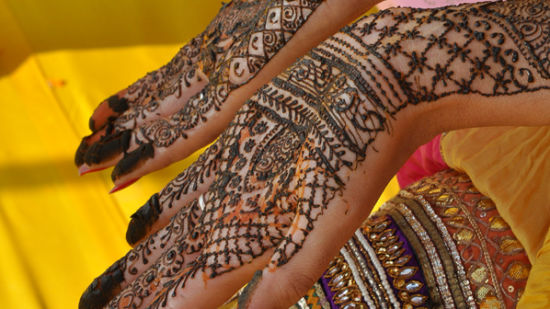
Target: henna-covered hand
x=305, y=154
x=236, y=45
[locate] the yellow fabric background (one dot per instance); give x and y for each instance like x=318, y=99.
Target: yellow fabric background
x=58, y=59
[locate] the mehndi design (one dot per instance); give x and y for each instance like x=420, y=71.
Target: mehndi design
x=243, y=37
x=293, y=146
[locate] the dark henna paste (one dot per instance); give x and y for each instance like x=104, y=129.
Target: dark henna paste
x=117, y=104
x=109, y=146
x=91, y=125
x=81, y=152
x=104, y=287
x=143, y=219
x=133, y=160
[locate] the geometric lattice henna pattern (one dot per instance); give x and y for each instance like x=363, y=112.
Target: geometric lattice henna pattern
x=293, y=146
x=243, y=37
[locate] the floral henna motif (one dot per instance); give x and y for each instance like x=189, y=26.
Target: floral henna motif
x=187, y=241
x=129, y=267
x=267, y=33
x=205, y=52
x=294, y=145
x=237, y=44
x=199, y=173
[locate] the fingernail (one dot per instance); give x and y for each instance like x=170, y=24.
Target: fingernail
x=123, y=185
x=142, y=220
x=85, y=169
x=245, y=297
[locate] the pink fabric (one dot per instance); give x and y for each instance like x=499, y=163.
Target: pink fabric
x=425, y=161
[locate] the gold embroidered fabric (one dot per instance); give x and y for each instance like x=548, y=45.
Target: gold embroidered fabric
x=494, y=260
x=439, y=244
x=512, y=166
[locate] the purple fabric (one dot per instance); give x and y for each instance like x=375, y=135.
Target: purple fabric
x=330, y=296
x=419, y=276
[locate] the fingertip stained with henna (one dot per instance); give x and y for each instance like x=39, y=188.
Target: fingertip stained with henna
x=117, y=104
x=104, y=287
x=143, y=219
x=108, y=147
x=133, y=160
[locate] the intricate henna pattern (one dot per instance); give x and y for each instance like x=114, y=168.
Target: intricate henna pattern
x=268, y=31
x=319, y=118
x=175, y=236
x=199, y=173
x=205, y=52
x=243, y=37
x=293, y=146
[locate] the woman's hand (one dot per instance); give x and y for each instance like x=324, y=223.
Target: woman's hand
x=285, y=185
x=170, y=113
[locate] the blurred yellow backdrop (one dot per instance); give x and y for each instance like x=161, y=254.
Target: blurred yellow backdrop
x=58, y=59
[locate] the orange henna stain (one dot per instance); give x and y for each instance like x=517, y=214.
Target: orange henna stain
x=271, y=267
x=125, y=302
x=205, y=278
x=300, y=191
x=226, y=266
x=347, y=206
x=294, y=226
x=243, y=217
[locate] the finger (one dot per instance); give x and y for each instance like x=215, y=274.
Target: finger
x=108, y=110
x=165, y=141
x=103, y=148
x=187, y=186
x=230, y=257
x=195, y=289
x=296, y=263
x=107, y=150
x=157, y=83
x=172, y=95
x=140, y=258
x=172, y=261
x=84, y=146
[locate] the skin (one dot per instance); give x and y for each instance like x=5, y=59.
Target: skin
x=320, y=141
x=186, y=104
